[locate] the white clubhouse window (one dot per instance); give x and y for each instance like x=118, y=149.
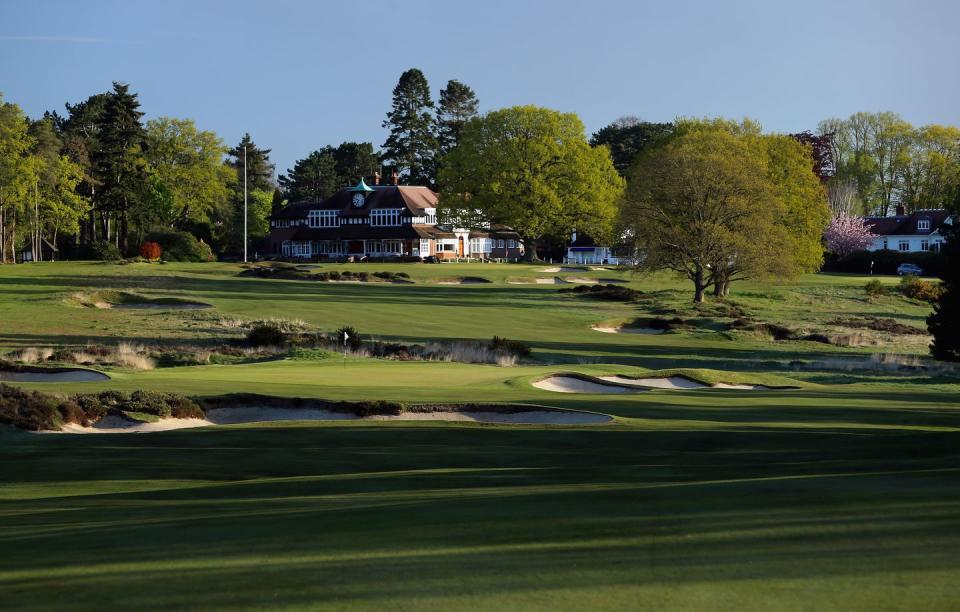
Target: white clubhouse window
x=500, y=244
x=923, y=225
x=479, y=245
x=385, y=217
x=300, y=249
x=445, y=247
x=323, y=218
x=924, y=245
x=328, y=247
x=431, y=216
x=904, y=245
x=424, y=248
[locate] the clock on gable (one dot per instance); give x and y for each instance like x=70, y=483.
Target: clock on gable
x=359, y=200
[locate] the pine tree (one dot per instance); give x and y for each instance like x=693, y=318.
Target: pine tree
x=412, y=145
x=354, y=161
x=458, y=104
x=944, y=323
x=312, y=178
x=118, y=164
x=259, y=168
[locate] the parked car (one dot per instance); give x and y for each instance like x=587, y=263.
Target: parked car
x=908, y=268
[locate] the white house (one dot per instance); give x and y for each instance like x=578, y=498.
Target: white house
x=583, y=250
x=909, y=233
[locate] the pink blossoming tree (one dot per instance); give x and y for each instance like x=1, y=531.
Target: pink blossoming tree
x=847, y=234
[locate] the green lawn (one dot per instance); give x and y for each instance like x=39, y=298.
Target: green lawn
x=841, y=494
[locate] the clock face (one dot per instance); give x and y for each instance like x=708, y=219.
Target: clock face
x=358, y=200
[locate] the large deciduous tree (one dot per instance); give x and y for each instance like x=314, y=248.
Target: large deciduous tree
x=628, y=137
x=704, y=200
x=531, y=169
x=412, y=146
x=458, y=104
x=189, y=162
x=17, y=175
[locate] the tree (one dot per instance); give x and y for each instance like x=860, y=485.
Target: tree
x=354, y=161
x=188, y=161
x=842, y=197
x=628, y=137
x=17, y=174
x=847, y=234
x=118, y=163
x=458, y=104
x=533, y=170
x=312, y=178
x=821, y=149
x=931, y=171
x=411, y=145
x=80, y=133
x=944, y=322
x=259, y=168
x=702, y=200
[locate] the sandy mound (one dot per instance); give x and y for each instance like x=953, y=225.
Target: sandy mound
x=114, y=424
x=572, y=384
x=160, y=305
x=556, y=269
x=582, y=281
x=61, y=376
x=607, y=329
x=670, y=382
x=551, y=281
x=742, y=387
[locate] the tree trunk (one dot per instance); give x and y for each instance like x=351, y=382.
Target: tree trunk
x=530, y=250
x=700, y=285
x=3, y=244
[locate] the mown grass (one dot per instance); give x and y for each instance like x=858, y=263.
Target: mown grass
x=841, y=494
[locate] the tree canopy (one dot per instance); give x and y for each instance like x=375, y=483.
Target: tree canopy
x=628, y=137
x=531, y=169
x=411, y=146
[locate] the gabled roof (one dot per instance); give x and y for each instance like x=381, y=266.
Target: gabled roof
x=295, y=210
x=906, y=225
x=414, y=200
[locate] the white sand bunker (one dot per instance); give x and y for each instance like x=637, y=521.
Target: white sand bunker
x=609, y=329
x=159, y=305
x=556, y=269
x=679, y=382
x=38, y=375
x=551, y=281
x=573, y=384
x=266, y=414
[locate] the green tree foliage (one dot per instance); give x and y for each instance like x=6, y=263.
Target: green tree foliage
x=703, y=201
x=532, y=169
x=628, y=137
x=17, y=175
x=188, y=162
x=458, y=104
x=412, y=146
x=892, y=163
x=944, y=322
x=119, y=165
x=313, y=177
x=353, y=161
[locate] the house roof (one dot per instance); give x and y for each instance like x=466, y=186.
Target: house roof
x=906, y=225
x=295, y=210
x=414, y=200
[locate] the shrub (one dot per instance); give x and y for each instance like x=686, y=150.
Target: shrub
x=513, y=347
x=615, y=293
x=101, y=250
x=266, y=334
x=919, y=289
x=150, y=251
x=379, y=407
x=874, y=289
x=181, y=246
x=350, y=335
x=334, y=275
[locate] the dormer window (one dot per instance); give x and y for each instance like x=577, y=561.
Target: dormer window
x=923, y=225
x=323, y=218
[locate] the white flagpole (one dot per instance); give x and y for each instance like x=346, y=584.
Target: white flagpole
x=245, y=204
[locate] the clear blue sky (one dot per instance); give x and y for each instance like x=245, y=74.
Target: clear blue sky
x=299, y=75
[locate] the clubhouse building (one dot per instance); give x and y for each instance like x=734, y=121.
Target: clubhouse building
x=381, y=221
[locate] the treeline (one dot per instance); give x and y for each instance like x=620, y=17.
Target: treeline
x=99, y=181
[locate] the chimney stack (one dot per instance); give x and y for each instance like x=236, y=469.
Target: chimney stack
x=395, y=178
x=376, y=178
x=901, y=210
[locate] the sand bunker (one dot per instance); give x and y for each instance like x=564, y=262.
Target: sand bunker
x=573, y=384
x=159, y=305
x=581, y=281
x=679, y=382
x=556, y=269
x=669, y=382
x=121, y=299
x=609, y=329
x=254, y=414
x=41, y=375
